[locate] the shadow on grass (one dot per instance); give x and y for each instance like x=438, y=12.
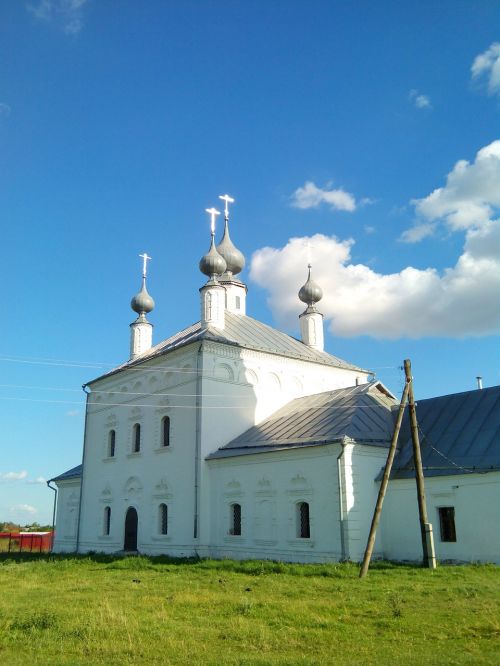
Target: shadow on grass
x=247, y=567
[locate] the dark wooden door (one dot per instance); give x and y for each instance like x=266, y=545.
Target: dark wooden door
x=130, y=541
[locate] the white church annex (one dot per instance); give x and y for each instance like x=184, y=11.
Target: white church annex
x=233, y=439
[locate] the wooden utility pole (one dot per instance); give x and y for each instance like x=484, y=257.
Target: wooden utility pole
x=425, y=526
x=383, y=486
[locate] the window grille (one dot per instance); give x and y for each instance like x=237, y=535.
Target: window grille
x=235, y=526
x=111, y=443
x=137, y=437
x=163, y=515
x=303, y=525
x=107, y=520
x=447, y=523
x=165, y=431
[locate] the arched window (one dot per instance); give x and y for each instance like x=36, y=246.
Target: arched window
x=107, y=521
x=302, y=518
x=163, y=519
x=165, y=431
x=136, y=437
x=235, y=520
x=111, y=444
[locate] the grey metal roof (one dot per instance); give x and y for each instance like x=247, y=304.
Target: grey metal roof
x=459, y=434
x=72, y=473
x=245, y=332
x=362, y=413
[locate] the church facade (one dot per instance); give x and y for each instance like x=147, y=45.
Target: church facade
x=230, y=438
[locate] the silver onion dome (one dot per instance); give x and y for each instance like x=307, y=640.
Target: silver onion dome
x=212, y=263
x=311, y=292
x=142, y=303
x=235, y=261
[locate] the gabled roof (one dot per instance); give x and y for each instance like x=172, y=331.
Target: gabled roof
x=459, y=434
x=361, y=413
x=72, y=473
x=245, y=332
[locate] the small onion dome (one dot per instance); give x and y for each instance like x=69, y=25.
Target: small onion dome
x=311, y=292
x=235, y=261
x=212, y=263
x=142, y=303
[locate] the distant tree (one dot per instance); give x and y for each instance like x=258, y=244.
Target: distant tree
x=8, y=526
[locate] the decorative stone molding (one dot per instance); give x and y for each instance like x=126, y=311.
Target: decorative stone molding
x=162, y=490
x=135, y=414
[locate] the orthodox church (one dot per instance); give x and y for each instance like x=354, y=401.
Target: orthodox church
x=233, y=439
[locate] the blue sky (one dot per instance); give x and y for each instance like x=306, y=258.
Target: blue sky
x=367, y=128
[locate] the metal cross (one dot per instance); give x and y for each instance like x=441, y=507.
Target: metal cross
x=145, y=259
x=213, y=212
x=227, y=200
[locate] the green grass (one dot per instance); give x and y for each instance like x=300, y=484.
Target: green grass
x=140, y=610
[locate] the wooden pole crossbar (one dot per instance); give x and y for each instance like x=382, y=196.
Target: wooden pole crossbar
x=429, y=557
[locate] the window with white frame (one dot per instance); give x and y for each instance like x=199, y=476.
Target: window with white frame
x=235, y=519
x=163, y=519
x=302, y=521
x=107, y=521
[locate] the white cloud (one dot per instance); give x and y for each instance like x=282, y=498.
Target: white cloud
x=413, y=303
x=73, y=412
x=311, y=196
x=418, y=232
x=419, y=100
x=486, y=66
x=23, y=509
x=65, y=13
x=369, y=229
x=39, y=480
x=4, y=110
x=13, y=476
x=467, y=201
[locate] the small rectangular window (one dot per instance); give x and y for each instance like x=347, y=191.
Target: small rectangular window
x=303, y=526
x=165, y=431
x=238, y=302
x=447, y=523
x=111, y=444
x=137, y=437
x=235, y=526
x=107, y=520
x=163, y=519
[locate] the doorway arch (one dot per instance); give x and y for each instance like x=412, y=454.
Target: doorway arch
x=131, y=522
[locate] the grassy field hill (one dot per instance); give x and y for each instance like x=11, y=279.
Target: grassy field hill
x=139, y=610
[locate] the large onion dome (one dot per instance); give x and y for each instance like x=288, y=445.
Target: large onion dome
x=311, y=292
x=142, y=303
x=235, y=261
x=212, y=263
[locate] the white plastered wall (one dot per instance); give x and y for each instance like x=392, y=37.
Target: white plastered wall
x=476, y=500
x=156, y=475
x=243, y=387
x=239, y=389
x=68, y=500
x=359, y=466
x=269, y=486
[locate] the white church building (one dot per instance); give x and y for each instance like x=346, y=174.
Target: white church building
x=233, y=439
